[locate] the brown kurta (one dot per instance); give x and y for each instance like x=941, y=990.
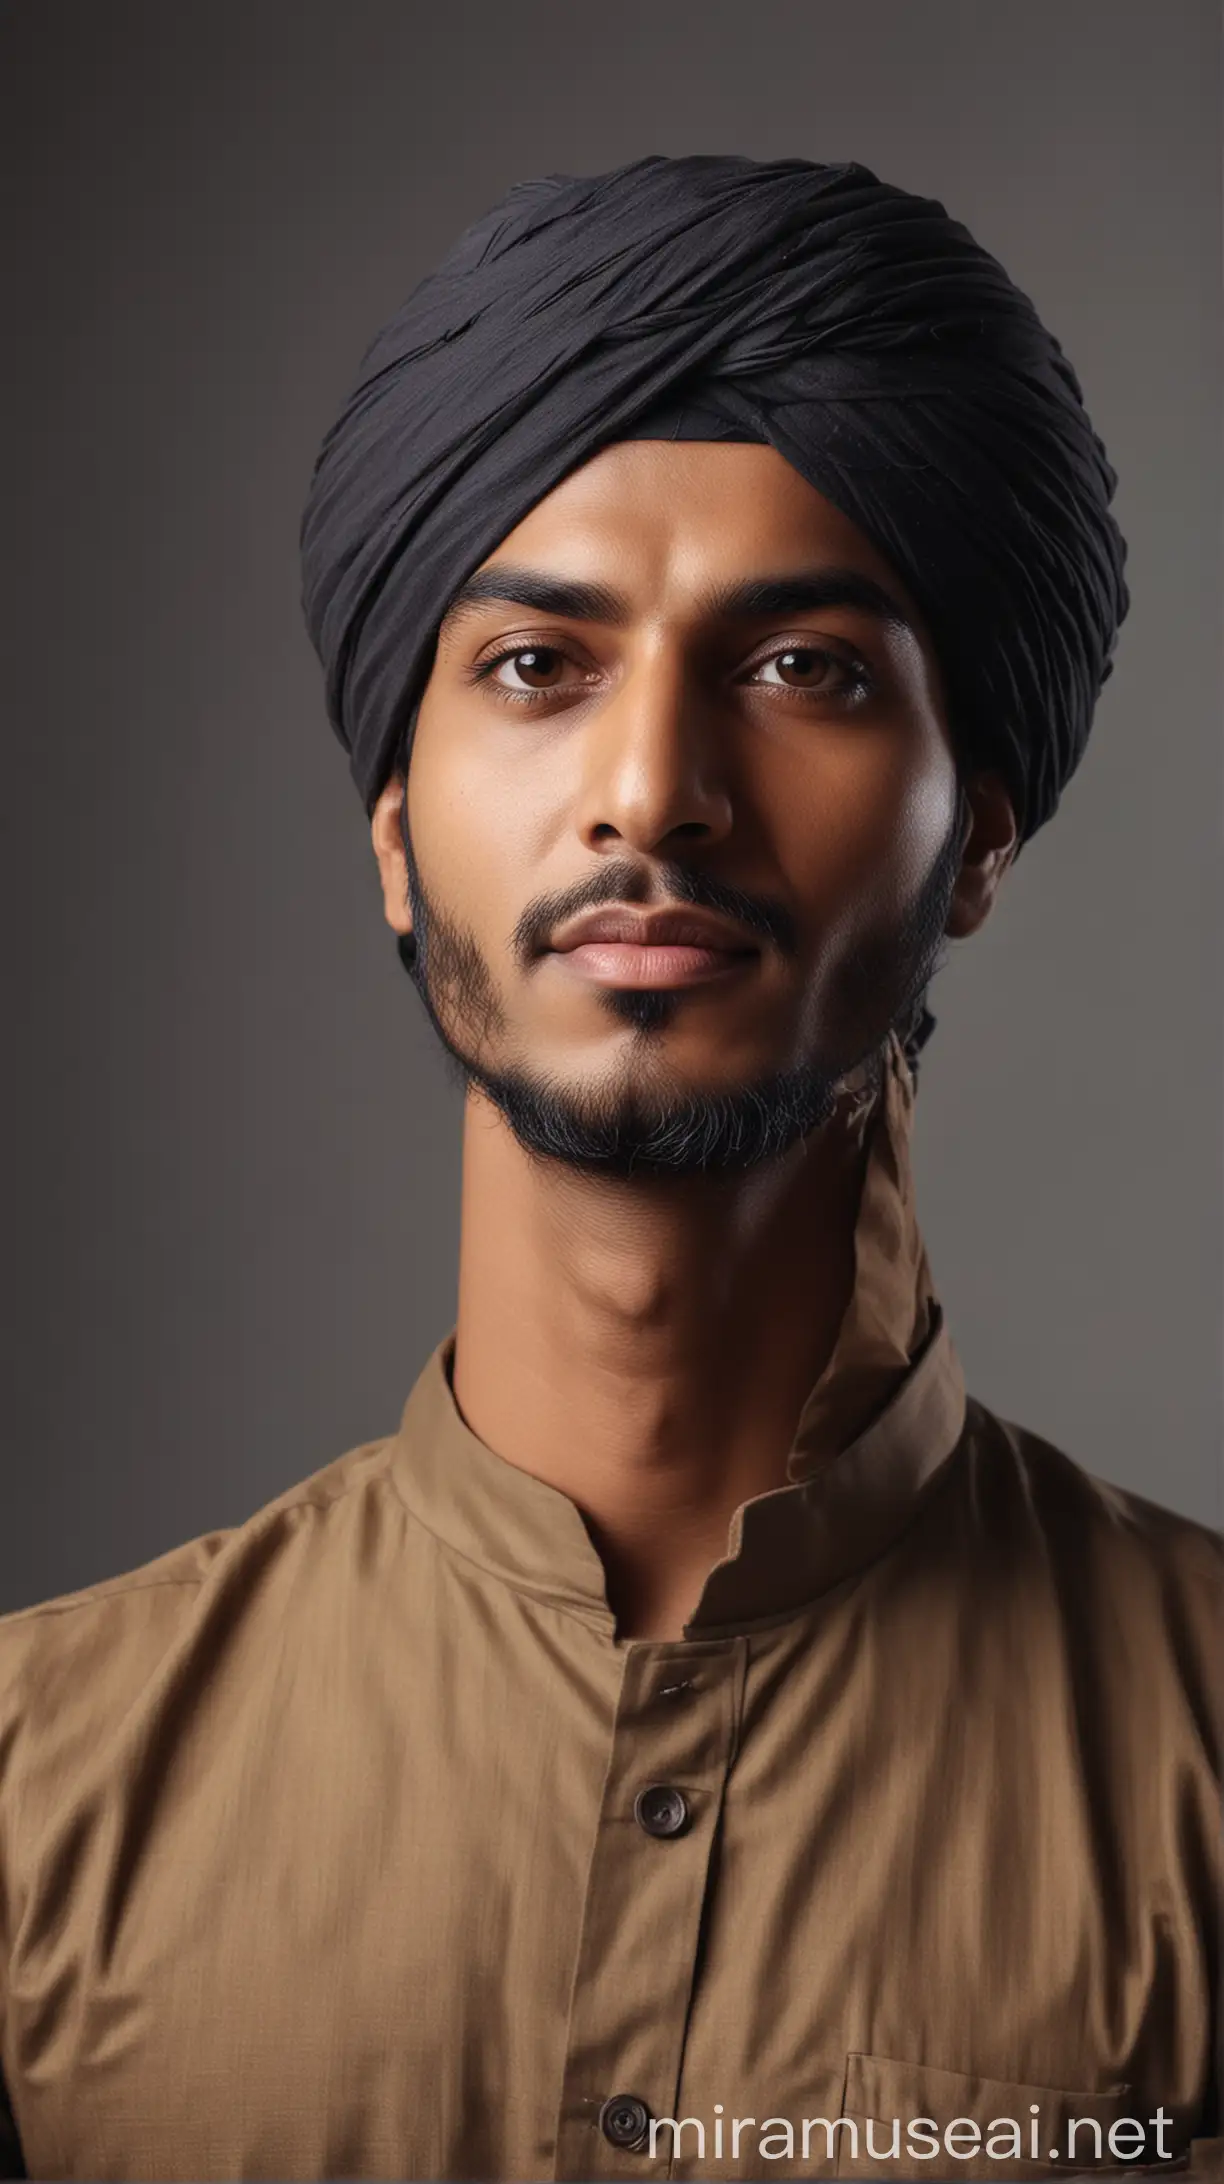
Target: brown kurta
x=352, y=1842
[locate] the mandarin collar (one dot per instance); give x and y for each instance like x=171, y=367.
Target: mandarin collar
x=785, y=1548
x=880, y=1422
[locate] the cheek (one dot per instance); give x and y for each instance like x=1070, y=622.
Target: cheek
x=859, y=833
x=461, y=830
x=484, y=810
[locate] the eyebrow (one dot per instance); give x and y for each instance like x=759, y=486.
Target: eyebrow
x=797, y=592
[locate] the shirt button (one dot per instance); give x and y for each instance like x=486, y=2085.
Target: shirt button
x=625, y=2120
x=661, y=1810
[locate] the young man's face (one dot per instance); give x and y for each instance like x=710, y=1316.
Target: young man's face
x=662, y=713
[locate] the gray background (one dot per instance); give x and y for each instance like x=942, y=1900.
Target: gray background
x=232, y=1150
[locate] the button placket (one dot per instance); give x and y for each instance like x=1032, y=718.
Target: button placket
x=673, y=1738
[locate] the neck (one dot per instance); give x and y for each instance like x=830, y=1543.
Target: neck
x=647, y=1347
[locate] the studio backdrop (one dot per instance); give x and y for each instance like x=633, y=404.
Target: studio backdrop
x=232, y=1150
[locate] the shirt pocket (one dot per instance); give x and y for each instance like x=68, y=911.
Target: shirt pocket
x=945, y=2124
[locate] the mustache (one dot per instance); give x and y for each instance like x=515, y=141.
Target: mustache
x=653, y=886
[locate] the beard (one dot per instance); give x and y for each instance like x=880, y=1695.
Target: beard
x=636, y=1125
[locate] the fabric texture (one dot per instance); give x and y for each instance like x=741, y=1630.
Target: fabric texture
x=321, y=1852
x=892, y=1307
x=852, y=325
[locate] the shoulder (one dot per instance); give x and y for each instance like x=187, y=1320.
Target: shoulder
x=72, y=1666
x=1092, y=1513
x=151, y=1591
x=1130, y=1579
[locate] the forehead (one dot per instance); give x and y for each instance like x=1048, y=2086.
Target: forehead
x=668, y=520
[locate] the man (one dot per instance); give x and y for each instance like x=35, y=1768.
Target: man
x=700, y=1740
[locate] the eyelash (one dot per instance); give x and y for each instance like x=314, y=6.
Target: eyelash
x=858, y=682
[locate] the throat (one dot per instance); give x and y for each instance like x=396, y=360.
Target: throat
x=647, y=1351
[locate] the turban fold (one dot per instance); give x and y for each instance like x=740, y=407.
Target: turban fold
x=853, y=326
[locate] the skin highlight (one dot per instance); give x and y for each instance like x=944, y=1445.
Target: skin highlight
x=706, y=688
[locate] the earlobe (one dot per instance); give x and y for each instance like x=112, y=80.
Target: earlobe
x=386, y=834
x=990, y=844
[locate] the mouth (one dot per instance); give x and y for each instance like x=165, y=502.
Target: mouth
x=621, y=963
x=669, y=949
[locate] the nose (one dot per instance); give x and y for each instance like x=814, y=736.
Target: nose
x=654, y=763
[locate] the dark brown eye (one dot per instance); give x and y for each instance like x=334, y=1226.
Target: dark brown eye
x=801, y=666
x=816, y=672
x=538, y=667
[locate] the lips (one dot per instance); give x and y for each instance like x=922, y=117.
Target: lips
x=653, y=948
x=626, y=927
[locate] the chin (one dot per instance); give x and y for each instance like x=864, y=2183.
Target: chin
x=644, y=1123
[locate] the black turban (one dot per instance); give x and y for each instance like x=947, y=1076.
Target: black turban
x=855, y=327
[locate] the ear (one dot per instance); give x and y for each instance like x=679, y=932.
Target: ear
x=387, y=836
x=990, y=843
